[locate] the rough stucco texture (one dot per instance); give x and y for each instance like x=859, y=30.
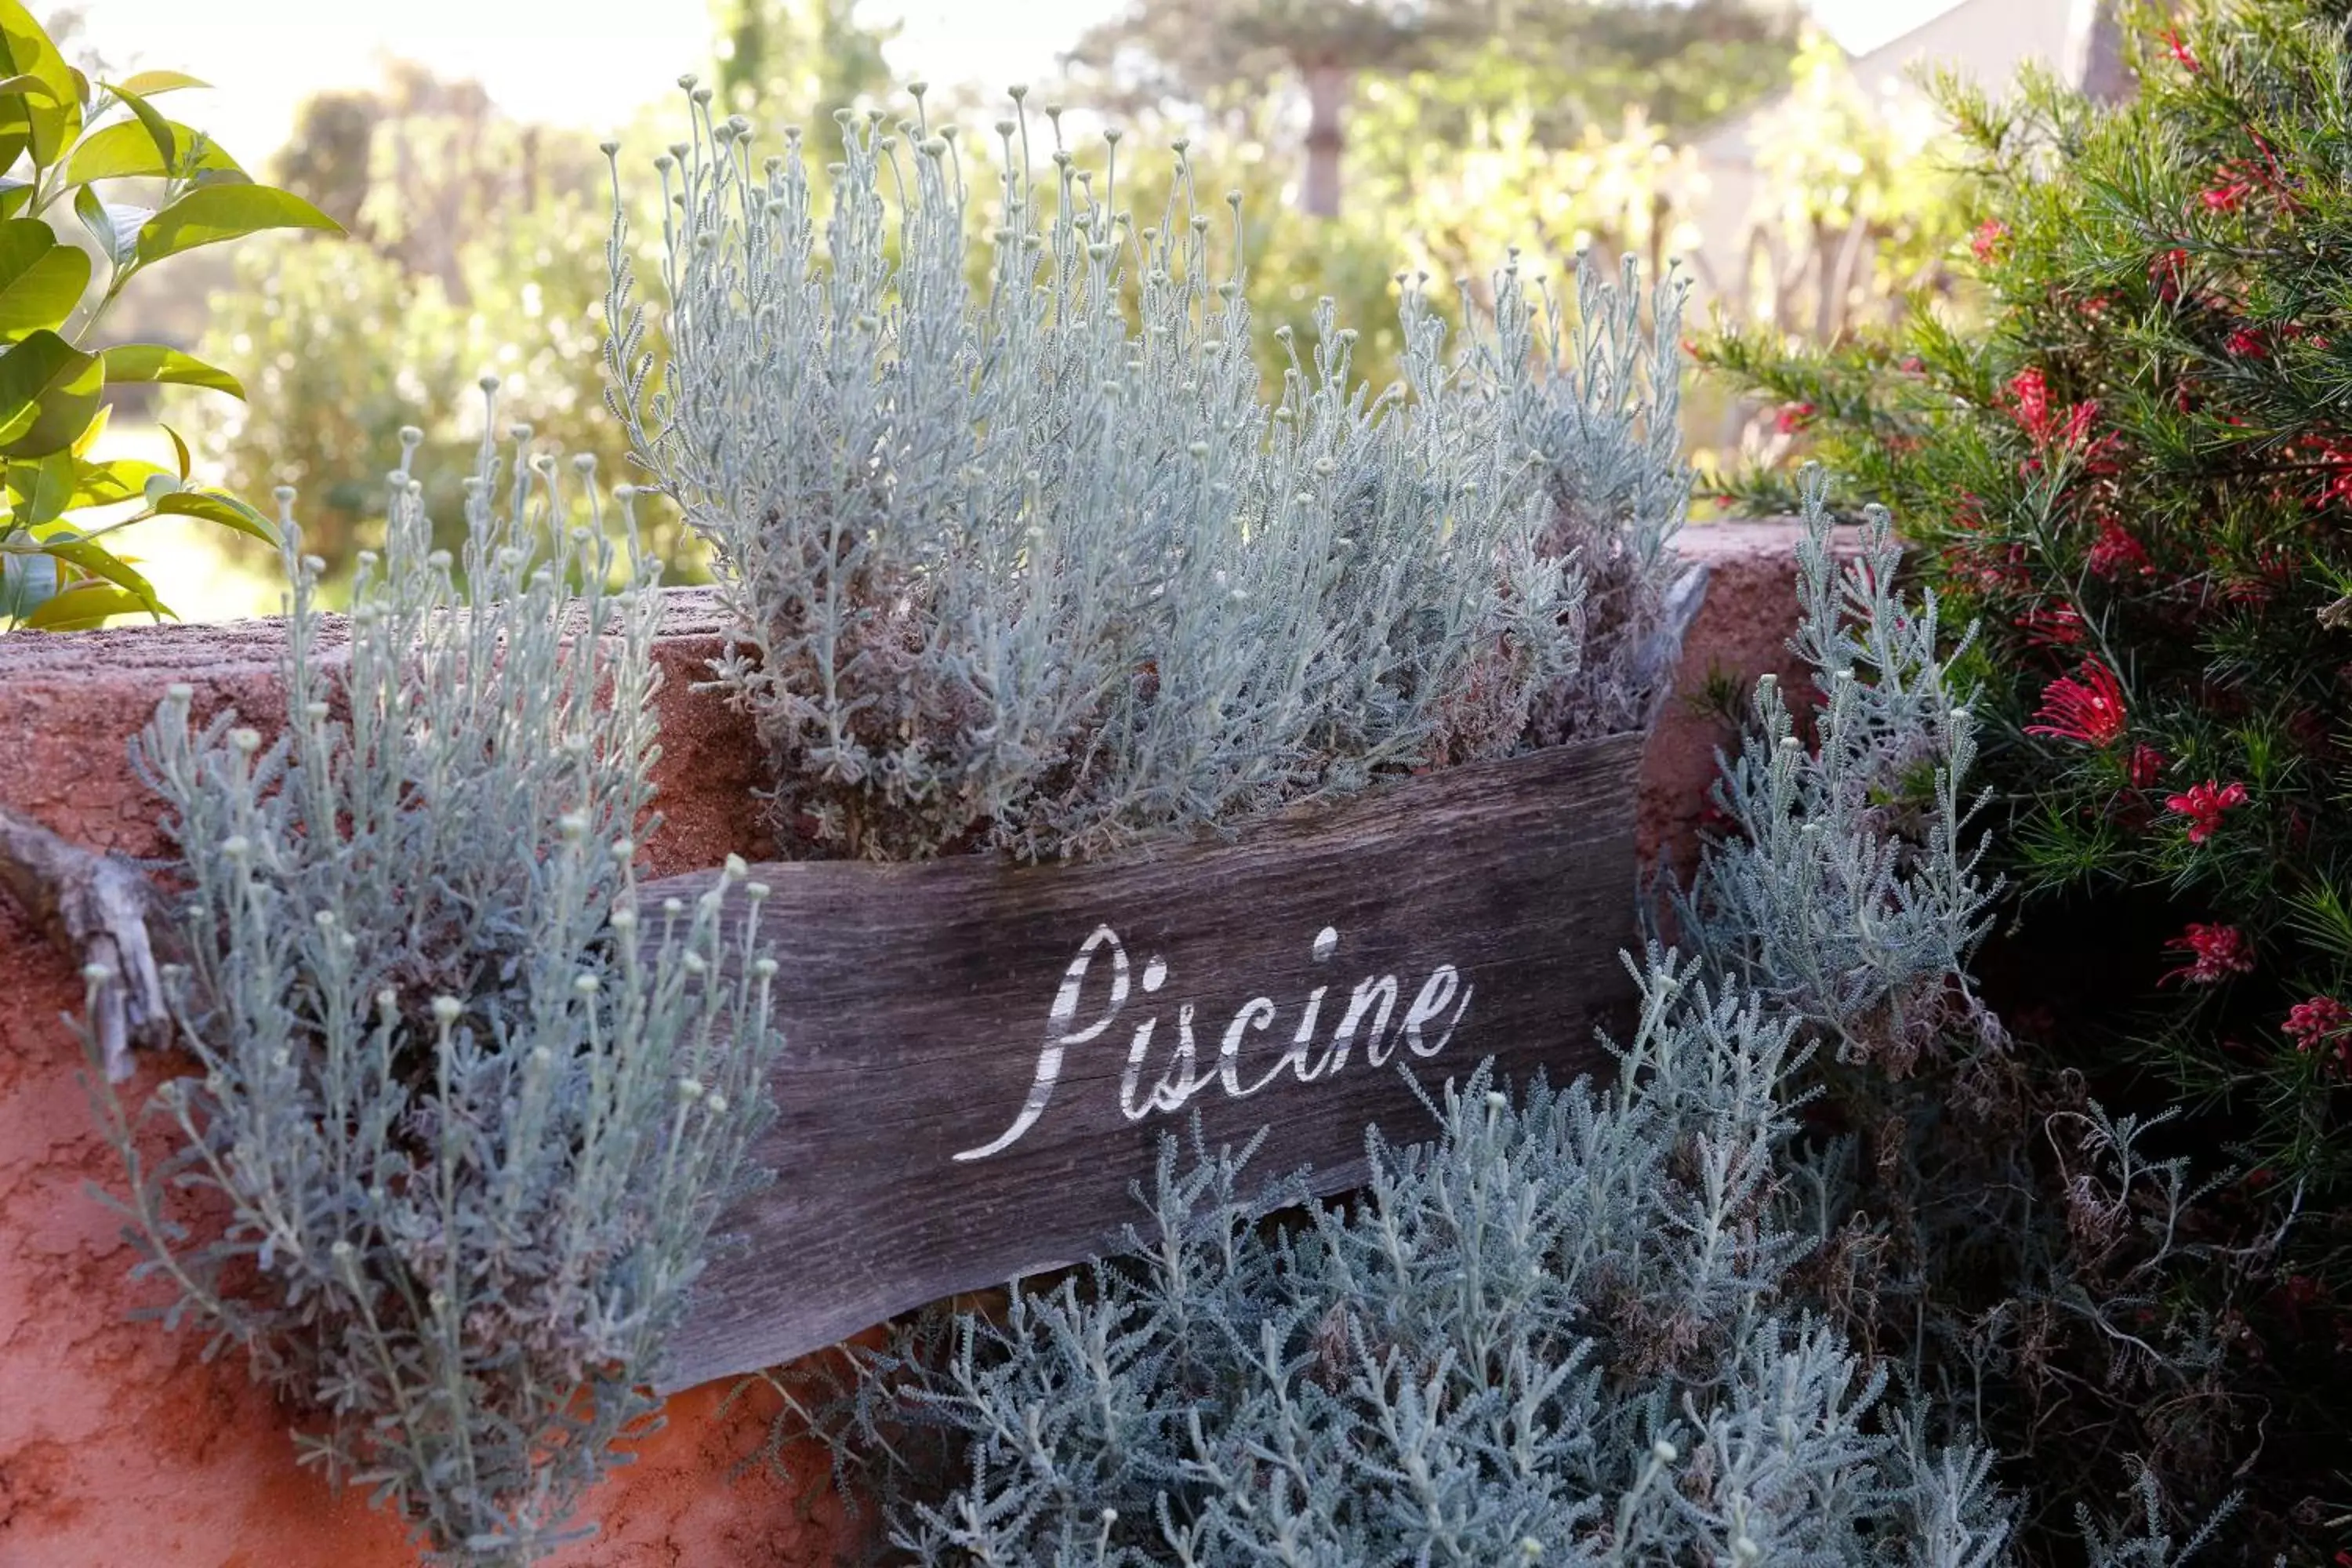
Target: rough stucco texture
x=119, y=1443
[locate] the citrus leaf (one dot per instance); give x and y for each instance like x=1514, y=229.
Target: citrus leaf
x=155, y=362
x=112, y=481
x=40, y=491
x=89, y=437
x=14, y=196
x=212, y=506
x=41, y=281
x=47, y=125
x=158, y=129
x=28, y=85
x=150, y=83
x=84, y=606
x=210, y=214
x=181, y=448
x=115, y=227
x=49, y=395
x=126, y=149
x=94, y=560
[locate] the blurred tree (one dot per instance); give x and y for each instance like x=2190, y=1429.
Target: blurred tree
x=481, y=250
x=808, y=56
x=1566, y=65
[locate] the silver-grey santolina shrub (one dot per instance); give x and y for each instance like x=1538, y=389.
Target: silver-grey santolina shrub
x=470, y=1112
x=1020, y=555
x=1576, y=1327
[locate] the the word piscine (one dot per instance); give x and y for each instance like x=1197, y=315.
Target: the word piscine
x=1369, y=1008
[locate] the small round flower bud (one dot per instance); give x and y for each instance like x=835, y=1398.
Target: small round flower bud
x=446, y=1008
x=765, y=968
x=1664, y=1452
x=689, y=1090
x=586, y=985
x=180, y=691
x=625, y=920
x=718, y=1105
x=246, y=741
x=96, y=973
x=236, y=846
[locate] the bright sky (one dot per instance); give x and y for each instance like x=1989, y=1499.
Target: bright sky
x=592, y=62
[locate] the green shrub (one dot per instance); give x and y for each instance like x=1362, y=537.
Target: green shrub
x=469, y=1129
x=145, y=189
x=2131, y=473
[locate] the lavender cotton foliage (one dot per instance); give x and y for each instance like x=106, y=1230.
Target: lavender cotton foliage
x=1574, y=1327
x=1020, y=555
x=470, y=1127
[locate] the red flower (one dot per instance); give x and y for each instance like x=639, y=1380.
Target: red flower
x=2056, y=626
x=2090, y=709
x=2232, y=184
x=2116, y=552
x=2167, y=271
x=2077, y=427
x=2312, y=1024
x=2030, y=396
x=2203, y=806
x=1988, y=236
x=2247, y=344
x=2179, y=49
x=2146, y=767
x=1792, y=417
x=2216, y=953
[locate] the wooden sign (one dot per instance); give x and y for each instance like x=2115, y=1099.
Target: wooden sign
x=979, y=1060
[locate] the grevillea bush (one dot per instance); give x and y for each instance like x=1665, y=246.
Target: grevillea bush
x=1014, y=566
x=470, y=1111
x=2135, y=472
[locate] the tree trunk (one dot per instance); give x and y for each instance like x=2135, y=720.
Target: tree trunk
x=1329, y=87
x=2094, y=51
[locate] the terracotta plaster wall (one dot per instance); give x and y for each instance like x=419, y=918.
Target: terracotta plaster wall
x=119, y=1443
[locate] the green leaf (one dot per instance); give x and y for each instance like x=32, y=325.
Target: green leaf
x=127, y=150
x=154, y=362
x=48, y=394
x=28, y=85
x=41, y=281
x=41, y=490
x=14, y=194
x=114, y=226
x=46, y=125
x=158, y=129
x=211, y=214
x=212, y=506
x=111, y=481
x=149, y=83
x=179, y=447
x=94, y=560
x=84, y=606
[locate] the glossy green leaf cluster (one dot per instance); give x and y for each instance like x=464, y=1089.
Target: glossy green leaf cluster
x=136, y=188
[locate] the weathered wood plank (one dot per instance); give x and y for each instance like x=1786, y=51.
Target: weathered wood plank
x=980, y=1059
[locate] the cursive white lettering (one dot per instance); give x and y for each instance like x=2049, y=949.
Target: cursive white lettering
x=1058, y=1037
